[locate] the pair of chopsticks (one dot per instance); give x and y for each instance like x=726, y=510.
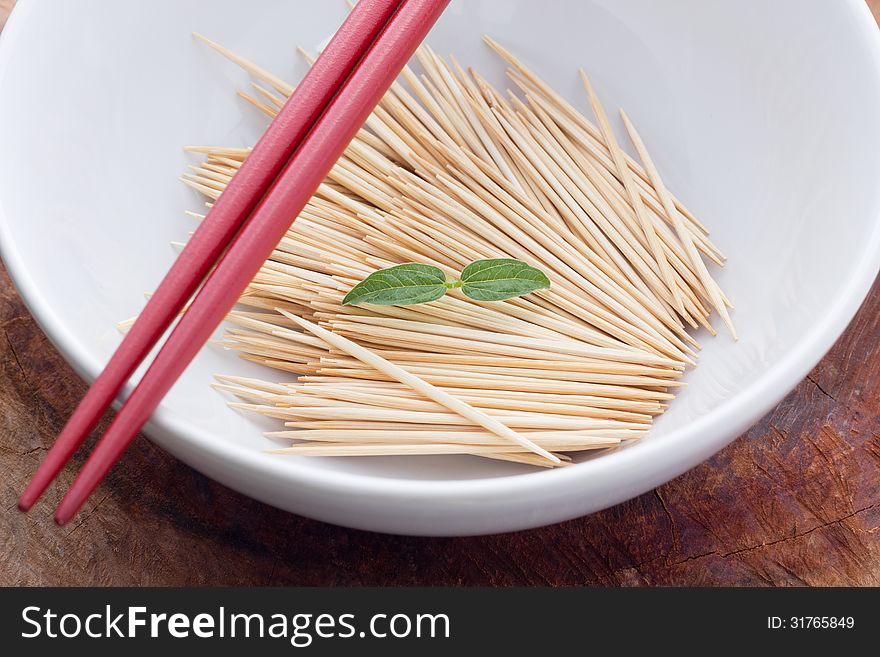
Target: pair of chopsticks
x=276, y=181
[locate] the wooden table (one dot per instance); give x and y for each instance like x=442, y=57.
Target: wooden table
x=794, y=501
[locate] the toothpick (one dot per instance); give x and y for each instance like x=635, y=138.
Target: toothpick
x=399, y=374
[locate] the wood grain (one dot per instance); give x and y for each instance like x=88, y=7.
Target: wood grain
x=795, y=501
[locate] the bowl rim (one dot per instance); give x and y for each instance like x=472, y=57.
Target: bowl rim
x=691, y=442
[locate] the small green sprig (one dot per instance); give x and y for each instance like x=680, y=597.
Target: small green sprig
x=483, y=280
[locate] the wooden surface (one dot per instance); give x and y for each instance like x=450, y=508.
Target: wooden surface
x=795, y=501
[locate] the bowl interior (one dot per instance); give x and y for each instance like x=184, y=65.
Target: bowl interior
x=760, y=120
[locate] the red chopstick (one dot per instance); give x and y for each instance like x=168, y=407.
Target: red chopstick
x=306, y=170
x=283, y=137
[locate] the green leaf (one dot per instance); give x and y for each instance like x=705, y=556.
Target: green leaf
x=501, y=278
x=399, y=286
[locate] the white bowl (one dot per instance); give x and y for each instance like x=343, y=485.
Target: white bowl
x=762, y=116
